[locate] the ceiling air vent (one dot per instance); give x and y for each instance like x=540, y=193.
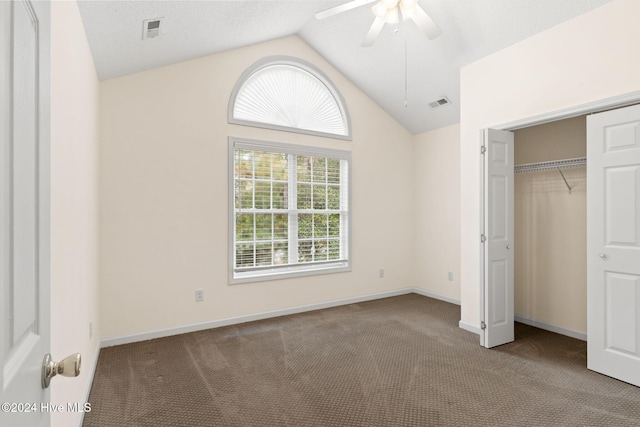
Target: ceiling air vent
x=151, y=28
x=440, y=103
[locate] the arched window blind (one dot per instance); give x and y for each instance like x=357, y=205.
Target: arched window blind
x=289, y=94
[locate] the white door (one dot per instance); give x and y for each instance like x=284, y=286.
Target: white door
x=613, y=243
x=497, y=238
x=24, y=210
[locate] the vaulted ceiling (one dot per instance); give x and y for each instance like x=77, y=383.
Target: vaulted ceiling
x=401, y=65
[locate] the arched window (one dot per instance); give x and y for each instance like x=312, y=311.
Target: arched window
x=289, y=94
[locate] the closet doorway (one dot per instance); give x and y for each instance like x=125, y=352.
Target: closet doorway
x=550, y=226
x=611, y=234
x=534, y=229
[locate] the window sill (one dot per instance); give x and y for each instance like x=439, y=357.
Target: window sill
x=287, y=273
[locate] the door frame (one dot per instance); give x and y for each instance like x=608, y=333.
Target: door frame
x=618, y=101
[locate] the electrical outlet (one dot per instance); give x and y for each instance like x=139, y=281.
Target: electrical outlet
x=450, y=276
x=199, y=295
x=381, y=273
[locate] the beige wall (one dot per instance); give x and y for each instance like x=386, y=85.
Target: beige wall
x=163, y=180
x=74, y=208
x=436, y=166
x=562, y=139
x=550, y=239
x=163, y=173
x=163, y=190
x=588, y=58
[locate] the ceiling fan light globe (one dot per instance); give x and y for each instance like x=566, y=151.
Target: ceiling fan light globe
x=389, y=4
x=392, y=16
x=407, y=12
x=408, y=4
x=380, y=10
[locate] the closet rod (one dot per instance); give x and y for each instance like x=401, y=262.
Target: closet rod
x=555, y=164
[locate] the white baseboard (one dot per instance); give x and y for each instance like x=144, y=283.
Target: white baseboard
x=87, y=389
x=469, y=327
x=126, y=339
x=541, y=325
x=433, y=295
x=108, y=342
x=553, y=328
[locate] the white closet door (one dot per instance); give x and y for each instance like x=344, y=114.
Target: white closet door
x=613, y=243
x=498, y=164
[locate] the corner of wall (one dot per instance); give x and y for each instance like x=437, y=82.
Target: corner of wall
x=75, y=323
x=436, y=253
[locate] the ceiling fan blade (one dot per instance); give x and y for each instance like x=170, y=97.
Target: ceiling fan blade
x=342, y=8
x=425, y=23
x=372, y=35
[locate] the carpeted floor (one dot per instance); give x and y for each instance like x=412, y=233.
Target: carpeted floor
x=398, y=361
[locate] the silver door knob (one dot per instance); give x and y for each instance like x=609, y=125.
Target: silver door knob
x=508, y=246
x=67, y=367
x=602, y=255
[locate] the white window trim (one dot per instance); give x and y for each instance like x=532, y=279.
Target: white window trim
x=291, y=270
x=299, y=63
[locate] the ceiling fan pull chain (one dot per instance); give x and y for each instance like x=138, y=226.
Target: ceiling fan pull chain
x=405, y=67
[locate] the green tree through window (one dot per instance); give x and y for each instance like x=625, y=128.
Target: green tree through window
x=290, y=211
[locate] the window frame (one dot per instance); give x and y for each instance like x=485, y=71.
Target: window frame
x=304, y=66
x=289, y=270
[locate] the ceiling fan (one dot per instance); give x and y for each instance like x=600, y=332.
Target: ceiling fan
x=389, y=12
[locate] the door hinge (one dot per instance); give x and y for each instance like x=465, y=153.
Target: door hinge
x=483, y=238
x=483, y=325
x=483, y=149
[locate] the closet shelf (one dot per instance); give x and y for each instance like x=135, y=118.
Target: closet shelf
x=556, y=164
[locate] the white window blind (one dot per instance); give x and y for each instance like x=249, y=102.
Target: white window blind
x=289, y=94
x=290, y=210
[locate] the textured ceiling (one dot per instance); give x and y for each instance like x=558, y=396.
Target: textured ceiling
x=430, y=70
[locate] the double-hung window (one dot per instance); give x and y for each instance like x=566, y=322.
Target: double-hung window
x=289, y=210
